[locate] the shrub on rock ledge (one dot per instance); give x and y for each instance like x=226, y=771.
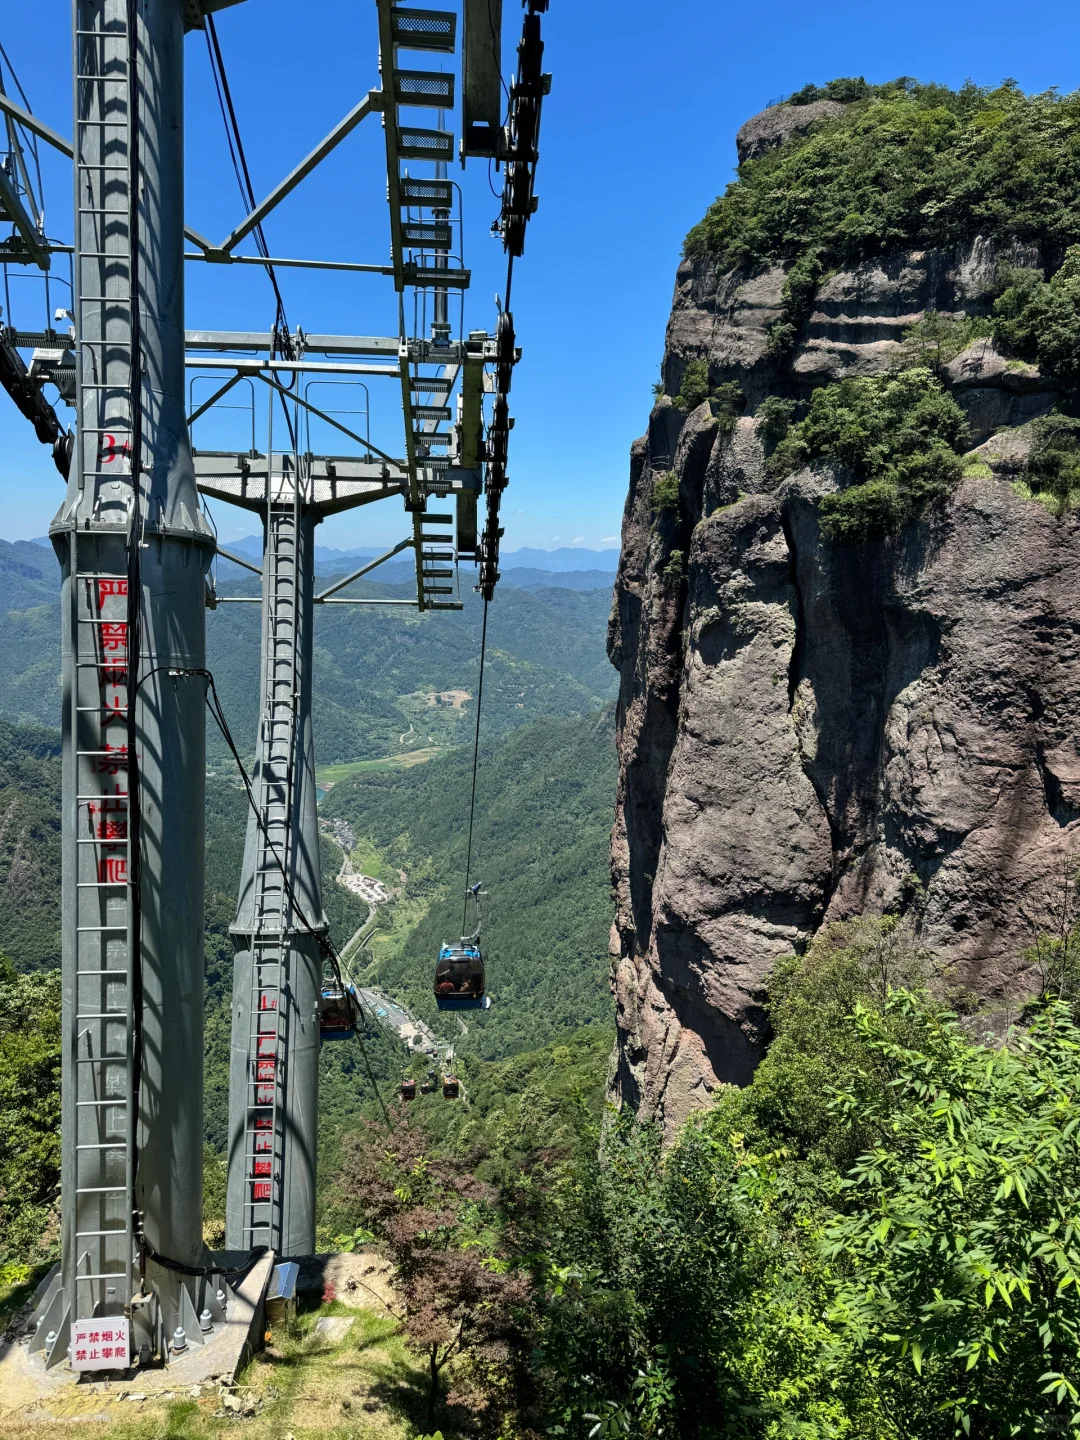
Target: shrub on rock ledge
x=896, y=437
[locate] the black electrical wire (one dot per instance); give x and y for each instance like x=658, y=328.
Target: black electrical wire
x=240, y=165
x=134, y=584
x=247, y=194
x=475, y=762
x=202, y=1272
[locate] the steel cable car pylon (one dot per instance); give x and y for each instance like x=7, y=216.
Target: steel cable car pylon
x=133, y=549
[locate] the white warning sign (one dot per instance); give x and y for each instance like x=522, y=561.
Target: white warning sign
x=100, y=1344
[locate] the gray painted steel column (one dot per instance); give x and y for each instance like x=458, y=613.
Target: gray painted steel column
x=267, y=932
x=89, y=535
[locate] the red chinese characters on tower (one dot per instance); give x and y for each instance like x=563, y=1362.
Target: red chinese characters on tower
x=109, y=585
x=109, y=818
x=112, y=870
x=113, y=673
x=114, y=638
x=112, y=761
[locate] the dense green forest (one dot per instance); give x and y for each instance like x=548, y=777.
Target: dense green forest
x=376, y=683
x=544, y=807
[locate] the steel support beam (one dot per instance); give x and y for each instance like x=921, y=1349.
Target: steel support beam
x=371, y=104
x=406, y=544
x=48, y=134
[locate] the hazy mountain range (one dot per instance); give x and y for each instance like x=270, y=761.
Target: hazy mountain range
x=569, y=567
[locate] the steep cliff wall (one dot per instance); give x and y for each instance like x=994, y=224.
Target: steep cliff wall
x=811, y=726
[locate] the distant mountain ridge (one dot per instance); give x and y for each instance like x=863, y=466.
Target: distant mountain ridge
x=568, y=568
x=566, y=559
x=376, y=671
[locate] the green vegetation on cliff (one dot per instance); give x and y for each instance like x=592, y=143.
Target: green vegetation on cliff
x=1040, y=319
x=898, y=437
x=873, y=1240
x=29, y=1113
x=543, y=818
x=30, y=845
x=909, y=164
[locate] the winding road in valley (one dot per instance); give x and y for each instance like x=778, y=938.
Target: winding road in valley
x=412, y=1032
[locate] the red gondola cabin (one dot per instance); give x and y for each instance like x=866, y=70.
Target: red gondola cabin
x=339, y=1011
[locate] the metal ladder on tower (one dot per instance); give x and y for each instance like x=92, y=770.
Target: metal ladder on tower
x=106, y=945
x=268, y=1009
x=420, y=220
x=437, y=563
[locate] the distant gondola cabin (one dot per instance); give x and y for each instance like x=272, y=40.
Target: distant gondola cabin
x=459, y=978
x=408, y=1089
x=450, y=1087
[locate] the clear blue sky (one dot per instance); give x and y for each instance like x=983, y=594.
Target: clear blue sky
x=638, y=138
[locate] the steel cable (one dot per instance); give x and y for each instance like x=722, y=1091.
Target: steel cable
x=247, y=195
x=475, y=761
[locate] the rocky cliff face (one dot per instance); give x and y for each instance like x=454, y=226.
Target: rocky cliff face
x=810, y=729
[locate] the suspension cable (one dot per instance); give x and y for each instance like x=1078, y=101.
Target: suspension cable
x=475, y=761
x=247, y=195
x=240, y=166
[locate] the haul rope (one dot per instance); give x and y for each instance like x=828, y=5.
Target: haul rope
x=475, y=760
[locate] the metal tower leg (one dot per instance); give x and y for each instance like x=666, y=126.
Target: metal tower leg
x=277, y=975
x=131, y=1153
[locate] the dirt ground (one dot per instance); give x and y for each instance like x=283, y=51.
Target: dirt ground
x=349, y=1377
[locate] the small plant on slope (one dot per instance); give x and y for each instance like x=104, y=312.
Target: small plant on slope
x=1052, y=473
x=775, y=416
x=465, y=1307
x=936, y=339
x=665, y=493
x=694, y=390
